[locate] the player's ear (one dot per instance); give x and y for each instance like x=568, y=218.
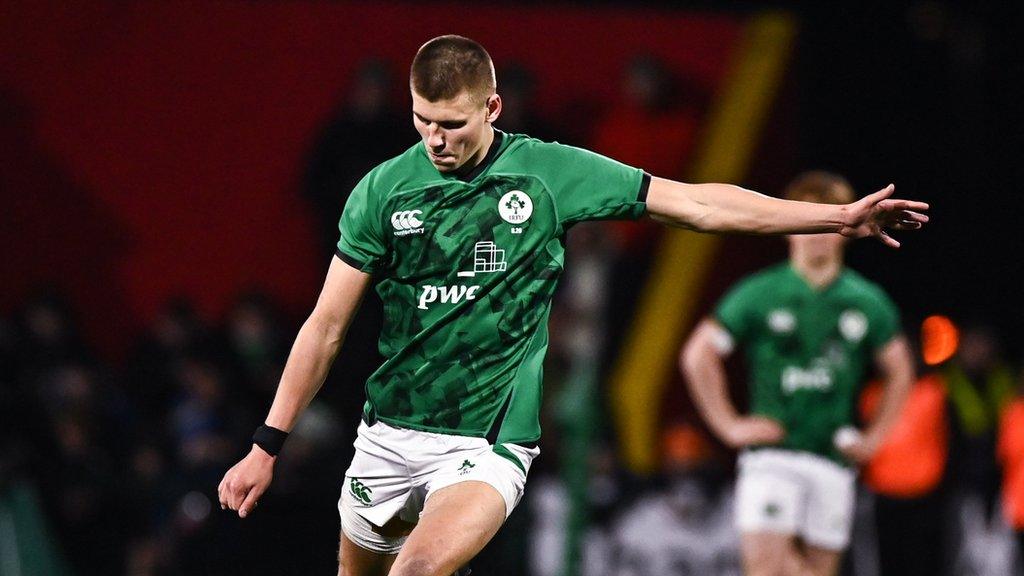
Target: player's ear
x=493, y=107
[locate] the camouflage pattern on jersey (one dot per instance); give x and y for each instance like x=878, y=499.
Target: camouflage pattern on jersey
x=468, y=270
x=808, y=351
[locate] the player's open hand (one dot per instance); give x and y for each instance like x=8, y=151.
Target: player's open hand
x=753, y=431
x=876, y=214
x=246, y=481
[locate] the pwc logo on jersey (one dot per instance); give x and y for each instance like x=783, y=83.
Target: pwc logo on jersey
x=407, y=222
x=796, y=378
x=447, y=294
x=487, y=259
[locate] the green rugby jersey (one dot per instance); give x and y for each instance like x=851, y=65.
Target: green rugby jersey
x=808, y=351
x=467, y=267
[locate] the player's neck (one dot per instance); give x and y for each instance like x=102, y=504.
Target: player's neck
x=818, y=273
x=485, y=147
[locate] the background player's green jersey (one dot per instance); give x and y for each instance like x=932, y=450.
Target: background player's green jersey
x=807, y=350
x=467, y=266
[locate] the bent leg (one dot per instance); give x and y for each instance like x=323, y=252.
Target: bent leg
x=367, y=549
x=354, y=560
x=457, y=522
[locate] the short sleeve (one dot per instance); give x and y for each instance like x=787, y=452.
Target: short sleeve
x=735, y=311
x=883, y=320
x=588, y=186
x=361, y=243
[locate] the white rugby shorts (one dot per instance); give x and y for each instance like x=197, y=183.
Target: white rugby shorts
x=395, y=470
x=797, y=493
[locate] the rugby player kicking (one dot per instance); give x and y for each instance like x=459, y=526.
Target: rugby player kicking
x=465, y=232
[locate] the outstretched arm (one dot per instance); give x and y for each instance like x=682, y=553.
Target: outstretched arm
x=728, y=208
x=704, y=372
x=311, y=357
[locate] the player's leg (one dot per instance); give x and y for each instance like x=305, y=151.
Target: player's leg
x=354, y=560
x=822, y=561
x=767, y=554
x=366, y=549
x=830, y=510
x=770, y=503
x=457, y=521
x=470, y=493
x=377, y=505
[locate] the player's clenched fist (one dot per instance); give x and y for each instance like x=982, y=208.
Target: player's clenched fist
x=246, y=481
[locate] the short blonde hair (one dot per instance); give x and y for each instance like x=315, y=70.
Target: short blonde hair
x=447, y=65
x=820, y=186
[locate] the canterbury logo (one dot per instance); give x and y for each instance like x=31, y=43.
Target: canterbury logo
x=406, y=222
x=360, y=491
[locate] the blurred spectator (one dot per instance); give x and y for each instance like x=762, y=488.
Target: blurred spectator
x=256, y=346
x=1011, y=456
x=654, y=127
x=79, y=479
x=686, y=527
x=906, y=475
x=365, y=129
x=520, y=113
x=49, y=333
x=176, y=332
x=200, y=422
x=655, y=123
x=979, y=386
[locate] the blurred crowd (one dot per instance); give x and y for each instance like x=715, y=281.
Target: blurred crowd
x=110, y=465
x=112, y=468
x=116, y=465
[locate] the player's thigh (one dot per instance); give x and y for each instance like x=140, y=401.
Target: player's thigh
x=456, y=523
x=770, y=499
x=769, y=554
x=822, y=561
x=354, y=560
x=832, y=494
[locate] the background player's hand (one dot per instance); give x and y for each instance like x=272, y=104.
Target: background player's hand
x=246, y=481
x=858, y=448
x=753, y=431
x=875, y=214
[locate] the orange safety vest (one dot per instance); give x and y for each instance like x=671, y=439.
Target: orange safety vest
x=912, y=458
x=1010, y=452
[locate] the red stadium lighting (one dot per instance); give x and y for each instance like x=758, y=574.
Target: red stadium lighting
x=939, y=339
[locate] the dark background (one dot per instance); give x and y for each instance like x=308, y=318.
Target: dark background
x=155, y=167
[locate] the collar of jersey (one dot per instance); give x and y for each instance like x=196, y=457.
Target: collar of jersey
x=492, y=153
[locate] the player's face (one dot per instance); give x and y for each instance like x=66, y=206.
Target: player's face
x=454, y=131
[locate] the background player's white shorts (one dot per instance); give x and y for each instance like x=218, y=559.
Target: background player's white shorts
x=799, y=493
x=395, y=470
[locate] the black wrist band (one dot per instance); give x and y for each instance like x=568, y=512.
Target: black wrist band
x=270, y=439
